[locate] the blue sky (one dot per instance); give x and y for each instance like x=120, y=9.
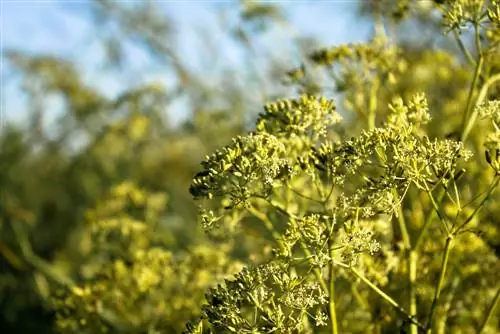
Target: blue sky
x=62, y=27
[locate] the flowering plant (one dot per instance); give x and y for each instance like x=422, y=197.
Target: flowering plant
x=384, y=229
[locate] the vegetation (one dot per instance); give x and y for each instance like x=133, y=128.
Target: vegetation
x=366, y=202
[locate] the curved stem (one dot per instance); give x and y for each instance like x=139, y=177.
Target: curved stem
x=439, y=285
x=490, y=311
x=464, y=50
x=438, y=211
x=37, y=262
x=427, y=222
x=480, y=206
x=385, y=296
x=482, y=95
x=468, y=106
x=268, y=225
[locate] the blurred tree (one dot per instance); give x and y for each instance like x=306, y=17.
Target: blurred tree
x=51, y=174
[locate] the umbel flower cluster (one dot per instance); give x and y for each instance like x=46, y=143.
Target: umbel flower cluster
x=332, y=207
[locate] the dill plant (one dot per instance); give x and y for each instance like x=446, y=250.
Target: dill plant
x=389, y=228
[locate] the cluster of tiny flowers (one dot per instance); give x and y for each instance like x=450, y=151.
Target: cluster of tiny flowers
x=376, y=198
x=252, y=164
x=313, y=231
x=415, y=112
x=361, y=64
x=491, y=110
x=263, y=299
x=493, y=29
x=460, y=15
x=154, y=278
x=320, y=318
x=306, y=116
x=375, y=55
x=402, y=156
x=356, y=243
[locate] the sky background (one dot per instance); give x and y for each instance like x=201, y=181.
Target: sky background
x=64, y=28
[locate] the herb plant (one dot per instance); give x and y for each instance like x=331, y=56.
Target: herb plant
x=383, y=222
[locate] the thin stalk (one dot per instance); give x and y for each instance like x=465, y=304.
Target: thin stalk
x=480, y=206
x=386, y=297
x=481, y=96
x=316, y=270
x=11, y=257
x=441, y=325
x=402, y=223
x=411, y=261
x=359, y=298
x=464, y=50
x=438, y=211
x=37, y=262
x=268, y=224
x=472, y=89
x=412, y=277
x=308, y=255
x=477, y=39
x=437, y=292
x=427, y=223
x=372, y=105
x=331, y=302
x=490, y=311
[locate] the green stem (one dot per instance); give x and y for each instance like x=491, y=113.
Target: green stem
x=402, y=223
x=382, y=294
x=439, y=285
x=427, y=223
x=411, y=260
x=316, y=270
x=412, y=277
x=372, y=105
x=491, y=310
x=480, y=206
x=468, y=106
x=441, y=325
x=268, y=225
x=308, y=255
x=37, y=262
x=482, y=95
x=464, y=50
x=359, y=298
x=331, y=304
x=438, y=211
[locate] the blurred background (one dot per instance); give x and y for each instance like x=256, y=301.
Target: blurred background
x=99, y=92
x=105, y=100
